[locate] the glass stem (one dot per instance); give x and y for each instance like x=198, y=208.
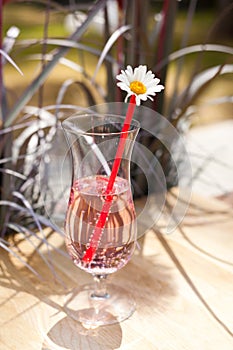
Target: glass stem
x=100, y=288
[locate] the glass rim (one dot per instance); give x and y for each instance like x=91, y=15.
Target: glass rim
x=69, y=126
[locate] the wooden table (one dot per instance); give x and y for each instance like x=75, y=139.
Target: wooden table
x=182, y=283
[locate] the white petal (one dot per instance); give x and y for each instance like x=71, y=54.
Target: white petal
x=125, y=80
x=138, y=100
x=152, y=83
x=139, y=73
x=129, y=78
x=124, y=87
x=143, y=72
x=143, y=97
x=121, y=78
x=151, y=92
x=156, y=88
x=135, y=73
x=148, y=77
x=129, y=73
x=159, y=88
x=150, y=98
x=129, y=69
x=128, y=95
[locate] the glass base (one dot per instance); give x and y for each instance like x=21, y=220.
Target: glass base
x=93, y=311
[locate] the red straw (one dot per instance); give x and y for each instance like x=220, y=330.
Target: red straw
x=95, y=239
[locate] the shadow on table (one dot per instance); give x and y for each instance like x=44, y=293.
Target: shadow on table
x=71, y=335
x=151, y=284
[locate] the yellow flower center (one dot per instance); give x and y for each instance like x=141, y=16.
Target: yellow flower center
x=137, y=87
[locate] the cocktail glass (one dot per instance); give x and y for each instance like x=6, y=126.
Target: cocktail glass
x=100, y=248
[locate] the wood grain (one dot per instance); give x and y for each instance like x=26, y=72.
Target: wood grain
x=182, y=283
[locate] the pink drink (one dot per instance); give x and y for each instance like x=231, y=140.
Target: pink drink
x=119, y=234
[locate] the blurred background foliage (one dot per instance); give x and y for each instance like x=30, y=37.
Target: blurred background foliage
x=210, y=23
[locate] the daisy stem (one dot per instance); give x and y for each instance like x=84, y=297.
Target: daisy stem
x=96, y=236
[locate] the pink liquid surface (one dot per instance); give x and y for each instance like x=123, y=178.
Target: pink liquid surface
x=118, y=238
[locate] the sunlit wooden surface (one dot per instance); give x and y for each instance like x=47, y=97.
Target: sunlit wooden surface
x=182, y=283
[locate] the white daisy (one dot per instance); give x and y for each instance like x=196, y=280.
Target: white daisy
x=139, y=82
